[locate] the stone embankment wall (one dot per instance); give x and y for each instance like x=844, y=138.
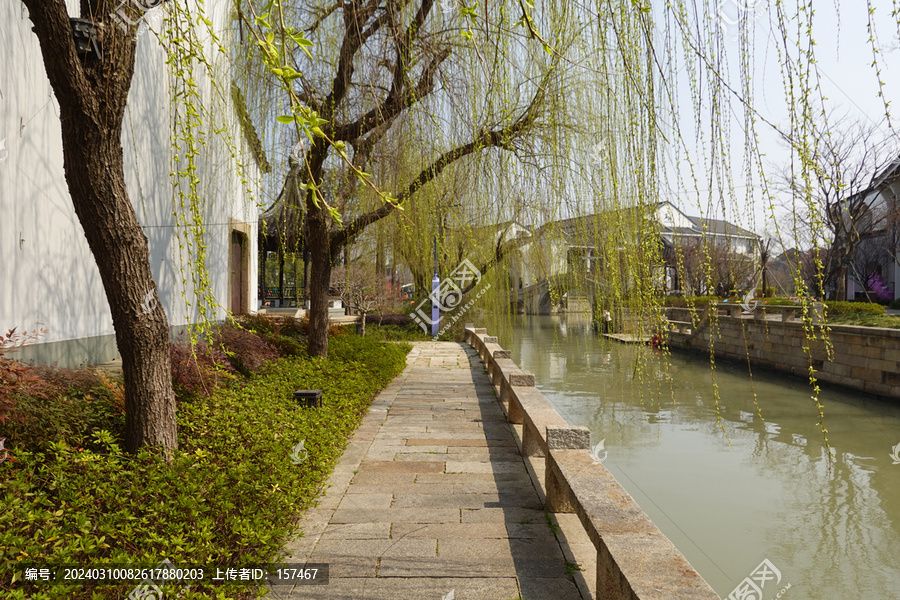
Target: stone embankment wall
x=635, y=561
x=863, y=358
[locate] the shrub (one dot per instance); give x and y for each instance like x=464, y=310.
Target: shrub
x=283, y=326
x=698, y=302
x=40, y=404
x=246, y=352
x=286, y=346
x=894, y=304
x=295, y=328
x=231, y=495
x=16, y=380
x=198, y=370
x=380, y=359
x=397, y=332
x=781, y=302
x=840, y=308
x=397, y=319
x=67, y=406
x=16, y=377
x=262, y=324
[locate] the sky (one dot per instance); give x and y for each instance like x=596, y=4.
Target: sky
x=846, y=79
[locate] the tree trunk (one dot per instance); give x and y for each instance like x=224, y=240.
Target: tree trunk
x=840, y=293
x=379, y=258
x=92, y=96
x=319, y=279
x=422, y=282
x=94, y=171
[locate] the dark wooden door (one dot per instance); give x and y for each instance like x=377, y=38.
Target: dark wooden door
x=237, y=273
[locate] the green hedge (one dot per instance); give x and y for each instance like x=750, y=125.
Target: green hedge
x=231, y=495
x=699, y=302
x=780, y=302
x=842, y=308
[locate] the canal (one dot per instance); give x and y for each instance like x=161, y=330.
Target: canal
x=742, y=482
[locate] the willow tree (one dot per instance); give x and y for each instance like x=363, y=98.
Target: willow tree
x=849, y=160
x=92, y=91
x=593, y=110
x=385, y=78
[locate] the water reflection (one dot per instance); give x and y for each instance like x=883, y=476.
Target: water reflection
x=739, y=476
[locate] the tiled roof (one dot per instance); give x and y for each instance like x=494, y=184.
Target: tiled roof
x=589, y=224
x=720, y=227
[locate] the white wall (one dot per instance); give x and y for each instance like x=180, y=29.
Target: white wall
x=48, y=276
x=669, y=216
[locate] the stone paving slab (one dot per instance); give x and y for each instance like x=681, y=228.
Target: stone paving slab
x=474, y=442
x=357, y=588
x=433, y=496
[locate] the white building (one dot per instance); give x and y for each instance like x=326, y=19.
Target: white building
x=877, y=260
x=48, y=276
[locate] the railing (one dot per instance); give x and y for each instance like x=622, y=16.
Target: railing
x=635, y=561
x=273, y=292
x=758, y=310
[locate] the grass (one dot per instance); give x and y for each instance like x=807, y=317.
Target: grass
x=231, y=495
x=411, y=332
x=390, y=333
x=552, y=524
x=865, y=320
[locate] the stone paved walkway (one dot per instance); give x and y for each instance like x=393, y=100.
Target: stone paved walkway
x=432, y=500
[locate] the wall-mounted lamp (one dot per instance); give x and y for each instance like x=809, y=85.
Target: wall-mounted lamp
x=85, y=33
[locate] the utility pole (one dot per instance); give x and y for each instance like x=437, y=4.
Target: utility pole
x=435, y=284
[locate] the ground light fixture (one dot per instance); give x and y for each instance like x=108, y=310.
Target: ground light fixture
x=85, y=33
x=309, y=398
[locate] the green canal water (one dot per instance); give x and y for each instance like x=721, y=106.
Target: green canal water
x=740, y=484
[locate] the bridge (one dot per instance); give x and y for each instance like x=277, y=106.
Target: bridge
x=539, y=298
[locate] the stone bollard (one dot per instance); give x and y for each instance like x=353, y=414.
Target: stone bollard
x=562, y=438
x=513, y=410
x=494, y=369
x=485, y=353
x=477, y=341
